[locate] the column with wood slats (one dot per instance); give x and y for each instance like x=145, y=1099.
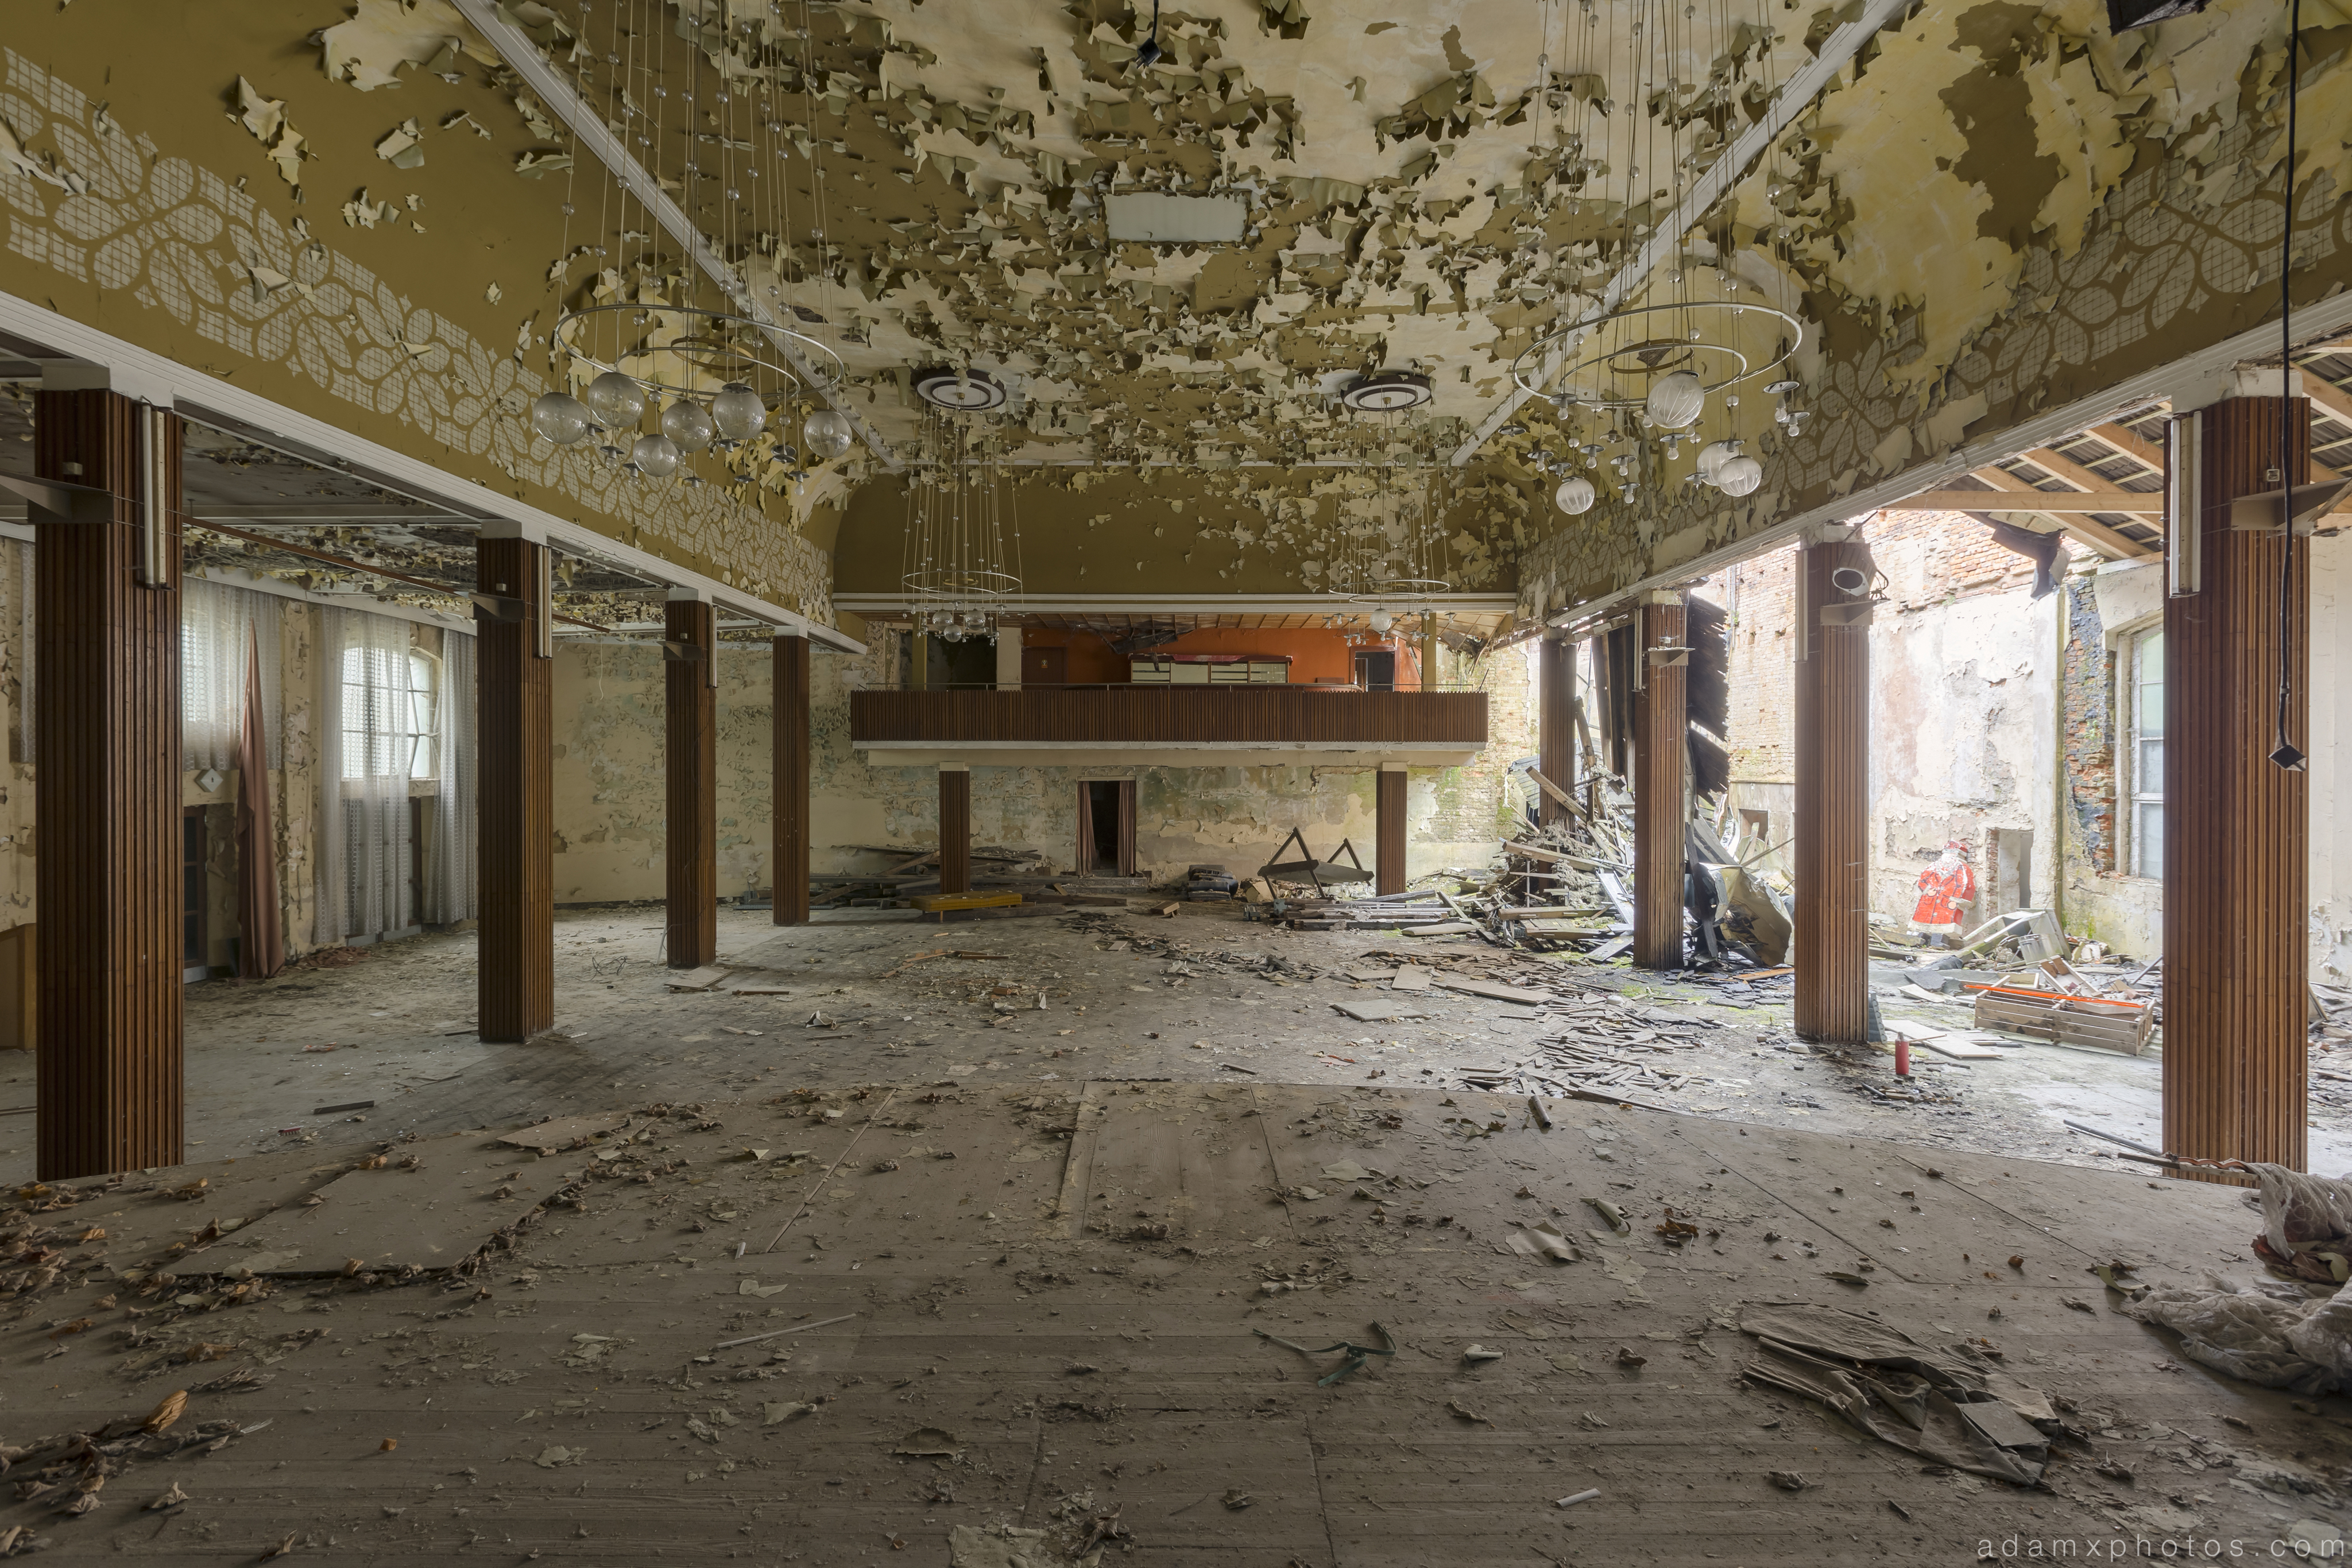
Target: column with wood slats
x=1661, y=766
x=2236, y=825
x=514, y=780
x=788, y=822
x=109, y=1081
x=690, y=857
x=1833, y=827
x=1388, y=809
x=1556, y=723
x=955, y=828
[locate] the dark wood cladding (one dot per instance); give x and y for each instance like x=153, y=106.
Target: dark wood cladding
x=1556, y=721
x=789, y=820
x=1833, y=827
x=955, y=831
x=1388, y=805
x=691, y=856
x=516, y=989
x=1273, y=715
x=1660, y=763
x=2236, y=826
x=110, y=1086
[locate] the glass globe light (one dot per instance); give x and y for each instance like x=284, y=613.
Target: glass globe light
x=655, y=456
x=689, y=425
x=561, y=418
x=619, y=401
x=1382, y=621
x=829, y=434
x=1575, y=495
x=738, y=412
x=1711, y=459
x=1675, y=401
x=1739, y=476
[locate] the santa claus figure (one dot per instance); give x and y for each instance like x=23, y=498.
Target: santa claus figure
x=1948, y=891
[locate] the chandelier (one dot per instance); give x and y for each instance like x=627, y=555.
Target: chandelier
x=661, y=360
x=962, y=550
x=1391, y=566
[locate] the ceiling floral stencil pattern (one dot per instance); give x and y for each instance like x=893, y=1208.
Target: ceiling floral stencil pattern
x=97, y=203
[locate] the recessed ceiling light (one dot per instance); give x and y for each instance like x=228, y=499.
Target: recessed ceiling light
x=966, y=392
x=1390, y=392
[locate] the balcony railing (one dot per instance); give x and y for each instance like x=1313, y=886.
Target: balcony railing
x=1295, y=717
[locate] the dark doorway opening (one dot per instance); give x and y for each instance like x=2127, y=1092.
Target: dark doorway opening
x=1376, y=671
x=193, y=956
x=1106, y=827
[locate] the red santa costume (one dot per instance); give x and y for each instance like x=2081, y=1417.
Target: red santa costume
x=1948, y=891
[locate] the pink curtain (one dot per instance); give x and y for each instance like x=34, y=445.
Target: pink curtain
x=261, y=947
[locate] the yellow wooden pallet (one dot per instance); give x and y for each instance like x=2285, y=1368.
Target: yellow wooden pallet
x=935, y=902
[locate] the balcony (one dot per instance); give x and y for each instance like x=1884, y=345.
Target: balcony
x=1203, y=726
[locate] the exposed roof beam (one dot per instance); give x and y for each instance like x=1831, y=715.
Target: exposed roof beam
x=2021, y=497
x=596, y=138
x=2131, y=444
x=1790, y=100
x=2061, y=467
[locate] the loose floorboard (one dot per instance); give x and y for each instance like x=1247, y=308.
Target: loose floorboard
x=564, y=1399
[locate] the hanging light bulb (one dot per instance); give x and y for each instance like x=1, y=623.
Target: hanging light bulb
x=829, y=434
x=1711, y=457
x=738, y=412
x=1382, y=621
x=561, y=418
x=655, y=456
x=1739, y=476
x=1675, y=401
x=689, y=425
x=1574, y=496
x=618, y=401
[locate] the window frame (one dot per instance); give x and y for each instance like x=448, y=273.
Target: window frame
x=2134, y=790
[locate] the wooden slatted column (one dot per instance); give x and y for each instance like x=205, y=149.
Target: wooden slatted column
x=2236, y=825
x=1833, y=829
x=1556, y=721
x=955, y=828
x=108, y=1079
x=1388, y=822
x=691, y=685
x=789, y=819
x=515, y=782
x=1661, y=766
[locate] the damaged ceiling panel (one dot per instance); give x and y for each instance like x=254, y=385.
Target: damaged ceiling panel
x=1175, y=248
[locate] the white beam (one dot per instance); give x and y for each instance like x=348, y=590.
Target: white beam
x=1803, y=86
x=196, y=394
x=2331, y=315
x=597, y=138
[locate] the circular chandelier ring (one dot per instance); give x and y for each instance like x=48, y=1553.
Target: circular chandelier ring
x=1389, y=587
x=711, y=345
x=925, y=586
x=1534, y=387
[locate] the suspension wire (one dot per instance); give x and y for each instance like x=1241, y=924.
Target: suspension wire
x=2287, y=756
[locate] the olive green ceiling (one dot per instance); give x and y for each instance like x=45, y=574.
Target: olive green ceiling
x=1981, y=174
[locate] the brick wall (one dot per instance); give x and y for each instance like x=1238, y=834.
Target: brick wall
x=1469, y=804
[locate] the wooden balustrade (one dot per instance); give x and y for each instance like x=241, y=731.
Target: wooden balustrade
x=1118, y=716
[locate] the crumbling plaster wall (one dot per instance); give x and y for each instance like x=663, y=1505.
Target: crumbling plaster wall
x=2330, y=694
x=611, y=800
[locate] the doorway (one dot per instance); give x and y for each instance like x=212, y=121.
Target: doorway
x=2011, y=868
x=1106, y=827
x=195, y=957
x=1044, y=667
x=1376, y=670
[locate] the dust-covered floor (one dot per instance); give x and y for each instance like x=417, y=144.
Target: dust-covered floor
x=1205, y=996
x=1016, y=1324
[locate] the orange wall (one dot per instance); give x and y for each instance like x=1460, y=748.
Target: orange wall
x=1315, y=654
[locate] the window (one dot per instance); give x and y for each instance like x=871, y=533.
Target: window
x=391, y=713
x=2146, y=730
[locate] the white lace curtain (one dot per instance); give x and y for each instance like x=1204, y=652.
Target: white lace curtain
x=370, y=734
x=219, y=630
x=449, y=880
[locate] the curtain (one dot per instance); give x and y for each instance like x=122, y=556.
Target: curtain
x=261, y=937
x=370, y=734
x=222, y=631
x=450, y=891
